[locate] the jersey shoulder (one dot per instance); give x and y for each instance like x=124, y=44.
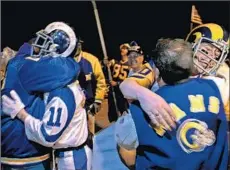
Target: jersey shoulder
x=222, y=85
x=89, y=57
x=53, y=73
x=145, y=77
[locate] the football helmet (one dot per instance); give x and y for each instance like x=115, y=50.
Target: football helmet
x=57, y=40
x=217, y=38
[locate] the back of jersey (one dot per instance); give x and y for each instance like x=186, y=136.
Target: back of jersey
x=14, y=142
x=199, y=141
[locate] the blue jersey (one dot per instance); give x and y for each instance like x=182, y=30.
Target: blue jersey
x=27, y=75
x=200, y=140
x=64, y=123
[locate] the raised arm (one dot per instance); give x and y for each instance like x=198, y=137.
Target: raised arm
x=155, y=106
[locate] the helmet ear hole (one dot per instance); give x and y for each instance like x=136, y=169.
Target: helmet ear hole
x=54, y=47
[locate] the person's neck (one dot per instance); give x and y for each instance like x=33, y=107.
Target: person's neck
x=78, y=57
x=137, y=69
x=182, y=81
x=124, y=58
x=162, y=83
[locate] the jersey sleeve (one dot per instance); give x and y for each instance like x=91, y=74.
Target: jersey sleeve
x=101, y=85
x=100, y=78
x=56, y=118
x=25, y=49
x=219, y=155
x=223, y=87
x=144, y=77
x=47, y=74
x=221, y=152
x=126, y=138
x=224, y=72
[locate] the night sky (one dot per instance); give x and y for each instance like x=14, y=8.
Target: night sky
x=121, y=22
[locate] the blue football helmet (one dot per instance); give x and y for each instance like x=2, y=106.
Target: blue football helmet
x=56, y=40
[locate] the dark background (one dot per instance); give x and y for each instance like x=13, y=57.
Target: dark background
x=121, y=22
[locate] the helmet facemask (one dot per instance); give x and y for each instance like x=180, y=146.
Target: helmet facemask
x=209, y=55
x=42, y=44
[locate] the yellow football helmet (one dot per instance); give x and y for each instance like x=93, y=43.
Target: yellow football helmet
x=214, y=35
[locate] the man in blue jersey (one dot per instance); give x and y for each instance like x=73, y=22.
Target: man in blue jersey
x=17, y=150
x=50, y=114
x=200, y=139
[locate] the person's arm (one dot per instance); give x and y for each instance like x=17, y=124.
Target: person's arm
x=99, y=76
x=127, y=157
x=100, y=81
x=155, y=106
x=46, y=131
x=223, y=86
x=127, y=140
x=219, y=154
x=101, y=84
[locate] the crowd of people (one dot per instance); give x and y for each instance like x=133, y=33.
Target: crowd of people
x=173, y=109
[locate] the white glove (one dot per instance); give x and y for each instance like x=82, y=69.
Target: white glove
x=12, y=107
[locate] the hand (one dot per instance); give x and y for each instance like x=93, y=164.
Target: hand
x=155, y=106
x=113, y=83
x=8, y=53
x=158, y=110
x=110, y=63
x=94, y=108
x=106, y=62
x=13, y=106
x=97, y=106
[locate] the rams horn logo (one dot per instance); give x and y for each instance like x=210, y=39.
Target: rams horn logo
x=194, y=136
